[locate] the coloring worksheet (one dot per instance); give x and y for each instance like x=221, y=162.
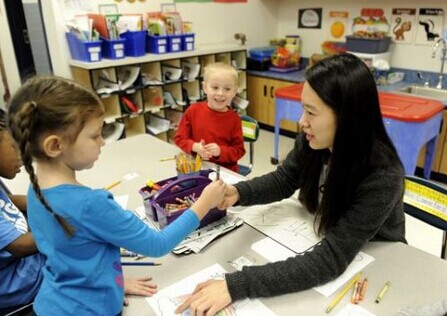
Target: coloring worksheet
x=166, y=301
x=287, y=222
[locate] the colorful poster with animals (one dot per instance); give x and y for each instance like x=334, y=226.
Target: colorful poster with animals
x=402, y=25
x=338, y=25
x=429, y=27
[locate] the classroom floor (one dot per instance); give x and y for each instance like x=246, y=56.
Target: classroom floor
x=418, y=234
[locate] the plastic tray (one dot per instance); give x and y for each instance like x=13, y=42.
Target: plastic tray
x=173, y=188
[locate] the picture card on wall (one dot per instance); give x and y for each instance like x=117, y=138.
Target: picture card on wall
x=338, y=25
x=403, y=25
x=310, y=18
x=430, y=25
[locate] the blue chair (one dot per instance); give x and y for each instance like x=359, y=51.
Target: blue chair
x=427, y=201
x=250, y=131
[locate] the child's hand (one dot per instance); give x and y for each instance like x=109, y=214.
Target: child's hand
x=140, y=286
x=213, y=148
x=212, y=195
x=200, y=149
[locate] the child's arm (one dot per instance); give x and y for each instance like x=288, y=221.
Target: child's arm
x=234, y=150
x=19, y=201
x=23, y=246
x=182, y=137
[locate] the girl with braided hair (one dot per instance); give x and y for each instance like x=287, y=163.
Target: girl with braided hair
x=57, y=124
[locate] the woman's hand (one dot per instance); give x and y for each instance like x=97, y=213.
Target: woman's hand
x=140, y=286
x=231, y=197
x=207, y=299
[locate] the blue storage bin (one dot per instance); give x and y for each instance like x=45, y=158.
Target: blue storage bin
x=188, y=41
x=84, y=51
x=174, y=43
x=261, y=53
x=157, y=44
x=135, y=43
x=113, y=49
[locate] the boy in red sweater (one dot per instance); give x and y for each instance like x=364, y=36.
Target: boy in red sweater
x=212, y=129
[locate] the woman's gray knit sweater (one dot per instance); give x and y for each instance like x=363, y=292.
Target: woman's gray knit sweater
x=375, y=214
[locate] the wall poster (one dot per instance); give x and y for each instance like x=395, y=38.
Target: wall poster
x=430, y=24
x=403, y=25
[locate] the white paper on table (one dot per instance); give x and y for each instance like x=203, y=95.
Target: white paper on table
x=360, y=262
x=286, y=221
x=167, y=300
x=131, y=175
x=354, y=310
x=272, y=250
x=122, y=200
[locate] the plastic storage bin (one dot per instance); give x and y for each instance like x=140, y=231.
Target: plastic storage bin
x=157, y=44
x=113, y=49
x=411, y=123
x=261, y=53
x=367, y=45
x=174, y=188
x=135, y=43
x=174, y=43
x=84, y=51
x=188, y=42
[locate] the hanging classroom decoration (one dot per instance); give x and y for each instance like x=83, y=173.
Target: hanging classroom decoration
x=402, y=23
x=310, y=18
x=430, y=24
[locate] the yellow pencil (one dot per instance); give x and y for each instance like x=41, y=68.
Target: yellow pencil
x=167, y=159
x=111, y=185
x=343, y=292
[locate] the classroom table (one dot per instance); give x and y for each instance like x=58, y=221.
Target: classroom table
x=416, y=277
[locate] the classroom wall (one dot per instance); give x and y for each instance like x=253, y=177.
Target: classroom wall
x=402, y=55
x=212, y=22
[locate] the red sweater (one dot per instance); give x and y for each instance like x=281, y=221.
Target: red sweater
x=223, y=128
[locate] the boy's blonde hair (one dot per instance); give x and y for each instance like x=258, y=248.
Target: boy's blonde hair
x=220, y=68
x=49, y=104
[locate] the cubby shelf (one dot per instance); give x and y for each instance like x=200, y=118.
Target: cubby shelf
x=142, y=82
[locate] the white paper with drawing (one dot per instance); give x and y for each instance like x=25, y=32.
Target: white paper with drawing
x=287, y=222
x=166, y=301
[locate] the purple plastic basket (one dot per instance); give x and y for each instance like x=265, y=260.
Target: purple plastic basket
x=173, y=188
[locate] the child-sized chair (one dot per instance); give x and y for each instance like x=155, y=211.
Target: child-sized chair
x=427, y=201
x=250, y=131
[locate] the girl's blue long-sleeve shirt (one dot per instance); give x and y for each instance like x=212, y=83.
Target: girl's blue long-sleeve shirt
x=83, y=273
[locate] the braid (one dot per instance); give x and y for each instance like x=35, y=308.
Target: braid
x=25, y=123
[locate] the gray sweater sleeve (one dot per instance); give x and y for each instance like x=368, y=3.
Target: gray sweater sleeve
x=376, y=211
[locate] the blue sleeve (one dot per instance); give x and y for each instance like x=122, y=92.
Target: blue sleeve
x=104, y=218
x=8, y=232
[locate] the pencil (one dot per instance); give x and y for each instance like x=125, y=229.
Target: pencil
x=167, y=159
x=133, y=263
x=343, y=292
x=111, y=185
x=217, y=172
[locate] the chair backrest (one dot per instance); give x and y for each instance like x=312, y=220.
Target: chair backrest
x=250, y=128
x=427, y=201
x=250, y=131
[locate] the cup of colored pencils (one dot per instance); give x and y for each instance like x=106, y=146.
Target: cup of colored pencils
x=187, y=165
